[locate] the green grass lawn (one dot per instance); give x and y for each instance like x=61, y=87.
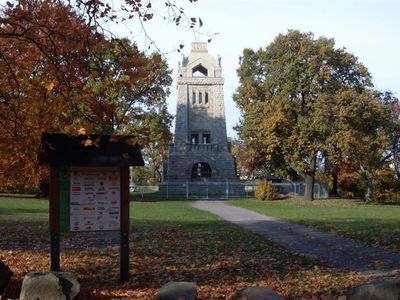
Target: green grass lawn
x=374, y=224
x=33, y=208
x=27, y=216
x=170, y=240
x=179, y=230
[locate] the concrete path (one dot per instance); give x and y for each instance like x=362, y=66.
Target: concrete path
x=326, y=247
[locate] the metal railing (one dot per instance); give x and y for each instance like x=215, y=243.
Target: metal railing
x=219, y=190
x=202, y=147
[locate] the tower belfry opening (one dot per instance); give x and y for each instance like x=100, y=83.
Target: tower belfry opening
x=199, y=70
x=200, y=148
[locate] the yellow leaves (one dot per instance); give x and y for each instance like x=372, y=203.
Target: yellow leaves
x=87, y=143
x=50, y=86
x=81, y=131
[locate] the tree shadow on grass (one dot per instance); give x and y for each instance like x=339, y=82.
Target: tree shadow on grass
x=381, y=233
x=387, y=203
x=23, y=233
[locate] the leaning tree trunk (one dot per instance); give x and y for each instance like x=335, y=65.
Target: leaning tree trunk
x=159, y=174
x=309, y=178
x=368, y=191
x=368, y=186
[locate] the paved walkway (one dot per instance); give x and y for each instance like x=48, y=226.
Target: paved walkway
x=327, y=247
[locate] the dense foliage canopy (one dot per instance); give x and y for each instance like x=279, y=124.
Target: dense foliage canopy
x=302, y=99
x=60, y=73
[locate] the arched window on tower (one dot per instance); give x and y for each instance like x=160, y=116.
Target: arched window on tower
x=199, y=70
x=201, y=170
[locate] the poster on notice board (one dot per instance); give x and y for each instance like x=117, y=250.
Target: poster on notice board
x=90, y=199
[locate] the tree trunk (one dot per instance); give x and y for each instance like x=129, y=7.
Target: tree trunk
x=309, y=191
x=396, y=162
x=335, y=175
x=159, y=175
x=309, y=178
x=368, y=186
x=368, y=189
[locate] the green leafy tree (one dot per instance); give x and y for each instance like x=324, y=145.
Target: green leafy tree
x=250, y=165
x=285, y=97
x=359, y=134
x=393, y=103
x=134, y=87
x=154, y=130
x=246, y=161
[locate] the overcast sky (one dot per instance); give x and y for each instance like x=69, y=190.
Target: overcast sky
x=370, y=29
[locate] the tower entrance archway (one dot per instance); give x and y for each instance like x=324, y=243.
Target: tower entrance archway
x=201, y=170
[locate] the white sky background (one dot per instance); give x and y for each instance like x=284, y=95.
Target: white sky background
x=370, y=29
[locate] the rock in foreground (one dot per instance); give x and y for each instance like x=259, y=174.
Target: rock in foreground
x=178, y=291
x=49, y=286
x=257, y=293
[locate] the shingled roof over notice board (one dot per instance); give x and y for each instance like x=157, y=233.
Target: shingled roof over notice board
x=90, y=150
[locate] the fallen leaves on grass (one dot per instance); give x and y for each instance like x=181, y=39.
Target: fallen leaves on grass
x=219, y=257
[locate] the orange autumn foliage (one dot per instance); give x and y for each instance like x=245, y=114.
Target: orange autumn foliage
x=58, y=74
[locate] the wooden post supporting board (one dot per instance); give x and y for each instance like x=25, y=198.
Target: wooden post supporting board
x=124, y=255
x=54, y=218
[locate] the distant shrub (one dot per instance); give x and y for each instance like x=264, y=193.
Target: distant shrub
x=387, y=196
x=350, y=185
x=266, y=192
x=386, y=186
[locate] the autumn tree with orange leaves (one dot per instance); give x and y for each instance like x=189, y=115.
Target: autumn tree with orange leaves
x=60, y=73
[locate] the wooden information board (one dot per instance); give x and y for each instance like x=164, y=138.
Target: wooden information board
x=89, y=187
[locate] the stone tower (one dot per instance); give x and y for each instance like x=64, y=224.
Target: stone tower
x=200, y=151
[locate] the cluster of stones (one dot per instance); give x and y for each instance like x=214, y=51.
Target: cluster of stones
x=188, y=291
x=64, y=286
x=378, y=290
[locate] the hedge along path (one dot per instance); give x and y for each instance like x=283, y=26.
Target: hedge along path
x=326, y=247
